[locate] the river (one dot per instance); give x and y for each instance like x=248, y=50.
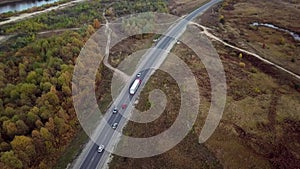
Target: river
x=23, y=5
x=293, y=34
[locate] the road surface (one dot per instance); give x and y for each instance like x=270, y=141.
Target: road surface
x=90, y=158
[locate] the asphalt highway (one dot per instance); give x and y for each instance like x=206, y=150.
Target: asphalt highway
x=93, y=159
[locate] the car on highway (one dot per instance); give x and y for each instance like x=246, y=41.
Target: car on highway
x=100, y=148
x=156, y=40
x=115, y=125
x=115, y=110
x=139, y=74
x=124, y=106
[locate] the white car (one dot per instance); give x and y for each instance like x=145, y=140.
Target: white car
x=100, y=148
x=115, y=111
x=115, y=125
x=139, y=74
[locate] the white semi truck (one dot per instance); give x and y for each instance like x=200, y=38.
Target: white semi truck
x=135, y=85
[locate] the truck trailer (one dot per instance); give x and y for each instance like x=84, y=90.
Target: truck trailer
x=135, y=85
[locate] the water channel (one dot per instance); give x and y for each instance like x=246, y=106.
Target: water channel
x=295, y=35
x=23, y=5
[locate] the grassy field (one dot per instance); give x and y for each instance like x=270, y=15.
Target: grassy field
x=187, y=154
x=183, y=7
x=258, y=129
x=260, y=124
x=274, y=45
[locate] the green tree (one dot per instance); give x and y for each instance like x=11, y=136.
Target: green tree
x=4, y=146
x=14, y=94
x=61, y=126
x=9, y=111
x=46, y=76
x=49, y=98
x=22, y=70
x=50, y=125
x=3, y=119
x=44, y=48
x=28, y=92
x=66, y=90
x=28, y=89
x=39, y=142
x=22, y=128
x=2, y=76
x=11, y=160
x=45, y=86
x=32, y=77
x=46, y=111
x=1, y=106
x=8, y=88
x=90, y=30
x=66, y=52
x=64, y=79
x=23, y=146
x=48, y=137
x=9, y=128
x=32, y=117
x=46, y=134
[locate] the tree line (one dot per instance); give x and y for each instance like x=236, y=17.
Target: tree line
x=37, y=118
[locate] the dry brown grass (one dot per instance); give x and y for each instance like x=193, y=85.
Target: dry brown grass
x=182, y=7
x=260, y=125
x=277, y=46
x=258, y=128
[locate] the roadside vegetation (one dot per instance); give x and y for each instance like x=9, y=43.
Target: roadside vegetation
x=37, y=118
x=37, y=115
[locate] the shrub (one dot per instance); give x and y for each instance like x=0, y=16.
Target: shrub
x=293, y=60
x=281, y=41
x=242, y=64
x=240, y=55
x=222, y=19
